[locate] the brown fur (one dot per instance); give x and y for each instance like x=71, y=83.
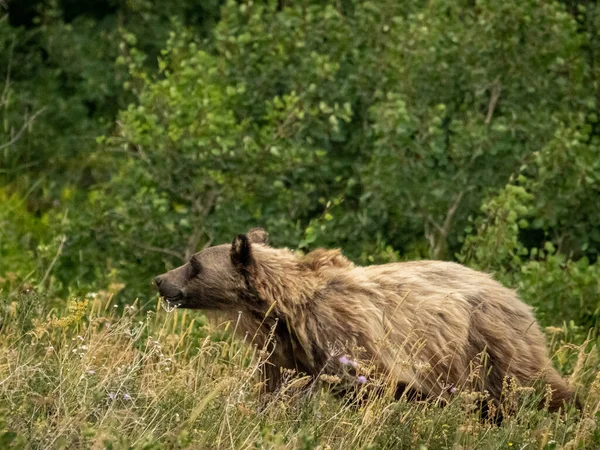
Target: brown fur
x=424, y=325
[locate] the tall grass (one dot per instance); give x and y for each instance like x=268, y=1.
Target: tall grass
x=98, y=375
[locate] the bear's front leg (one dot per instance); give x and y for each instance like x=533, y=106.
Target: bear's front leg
x=271, y=380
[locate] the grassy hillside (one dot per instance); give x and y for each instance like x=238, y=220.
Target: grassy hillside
x=99, y=375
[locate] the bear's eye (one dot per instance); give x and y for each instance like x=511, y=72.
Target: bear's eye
x=196, y=266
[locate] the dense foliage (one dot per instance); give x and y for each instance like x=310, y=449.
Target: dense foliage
x=134, y=134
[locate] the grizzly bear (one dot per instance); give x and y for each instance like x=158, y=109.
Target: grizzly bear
x=427, y=327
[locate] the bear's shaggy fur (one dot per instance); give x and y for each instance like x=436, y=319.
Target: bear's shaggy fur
x=430, y=326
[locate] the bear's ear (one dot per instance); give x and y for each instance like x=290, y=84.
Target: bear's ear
x=258, y=236
x=241, y=253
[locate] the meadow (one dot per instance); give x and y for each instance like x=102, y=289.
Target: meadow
x=100, y=375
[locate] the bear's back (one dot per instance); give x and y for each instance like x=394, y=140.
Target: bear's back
x=442, y=279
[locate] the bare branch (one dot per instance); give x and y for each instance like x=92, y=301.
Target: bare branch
x=207, y=244
x=3, y=97
x=430, y=236
x=451, y=212
x=437, y=241
x=201, y=210
x=51, y=266
x=433, y=222
x=22, y=130
x=193, y=241
x=496, y=90
x=165, y=251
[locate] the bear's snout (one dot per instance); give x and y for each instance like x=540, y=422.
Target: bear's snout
x=167, y=289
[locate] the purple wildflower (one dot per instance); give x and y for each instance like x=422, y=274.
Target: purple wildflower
x=344, y=360
x=362, y=379
x=126, y=397
x=452, y=390
x=111, y=395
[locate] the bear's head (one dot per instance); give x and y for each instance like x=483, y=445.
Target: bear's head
x=213, y=278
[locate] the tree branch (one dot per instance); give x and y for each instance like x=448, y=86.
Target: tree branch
x=495, y=95
x=22, y=130
x=201, y=210
x=452, y=211
x=437, y=241
x=165, y=251
x=4, y=95
x=58, y=252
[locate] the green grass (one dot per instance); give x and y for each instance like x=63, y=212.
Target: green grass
x=100, y=376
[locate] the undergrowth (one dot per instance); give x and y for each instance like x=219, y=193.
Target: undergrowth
x=102, y=376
